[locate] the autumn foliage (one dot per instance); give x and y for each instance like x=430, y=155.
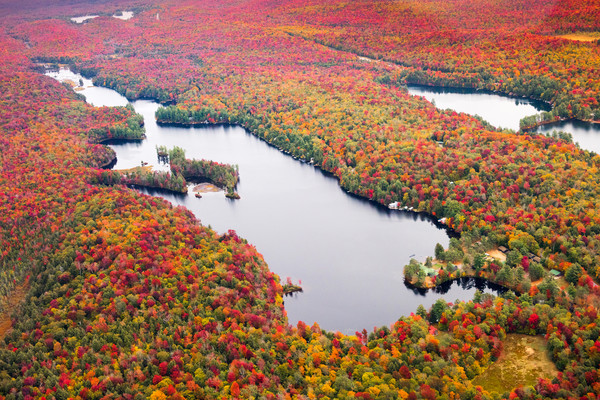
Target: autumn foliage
x=132, y=298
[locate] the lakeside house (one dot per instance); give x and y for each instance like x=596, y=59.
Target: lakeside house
x=430, y=272
x=555, y=273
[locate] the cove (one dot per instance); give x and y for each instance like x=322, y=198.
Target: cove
x=347, y=252
x=506, y=112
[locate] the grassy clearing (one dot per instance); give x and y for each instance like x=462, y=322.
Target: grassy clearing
x=522, y=362
x=145, y=168
x=16, y=297
x=206, y=188
x=497, y=254
x=581, y=37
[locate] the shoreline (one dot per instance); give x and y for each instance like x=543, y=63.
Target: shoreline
x=423, y=214
x=531, y=128
x=206, y=187
x=430, y=217
x=482, y=91
x=107, y=141
x=109, y=165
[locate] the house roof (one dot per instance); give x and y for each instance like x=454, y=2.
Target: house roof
x=428, y=271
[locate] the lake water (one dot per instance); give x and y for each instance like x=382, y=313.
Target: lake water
x=83, y=18
x=584, y=133
x=124, y=16
x=506, y=112
x=95, y=95
x=347, y=252
x=500, y=111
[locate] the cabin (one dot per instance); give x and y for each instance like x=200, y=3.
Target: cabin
x=555, y=273
x=503, y=249
x=533, y=258
x=430, y=272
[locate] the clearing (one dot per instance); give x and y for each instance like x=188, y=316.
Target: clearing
x=206, y=188
x=145, y=168
x=522, y=362
x=581, y=36
x=16, y=297
x=497, y=254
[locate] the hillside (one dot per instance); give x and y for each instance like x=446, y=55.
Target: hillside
x=130, y=297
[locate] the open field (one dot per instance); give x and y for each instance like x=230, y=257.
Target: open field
x=581, y=37
x=522, y=362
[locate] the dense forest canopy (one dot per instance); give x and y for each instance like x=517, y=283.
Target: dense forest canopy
x=130, y=297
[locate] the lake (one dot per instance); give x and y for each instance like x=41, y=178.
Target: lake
x=123, y=15
x=500, y=111
x=506, y=112
x=584, y=133
x=347, y=252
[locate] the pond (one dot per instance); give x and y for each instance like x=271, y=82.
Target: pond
x=506, y=112
x=347, y=252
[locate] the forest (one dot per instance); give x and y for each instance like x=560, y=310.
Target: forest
x=223, y=175
x=126, y=296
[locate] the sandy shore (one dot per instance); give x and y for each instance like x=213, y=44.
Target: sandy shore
x=206, y=188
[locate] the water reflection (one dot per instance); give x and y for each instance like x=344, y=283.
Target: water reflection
x=467, y=284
